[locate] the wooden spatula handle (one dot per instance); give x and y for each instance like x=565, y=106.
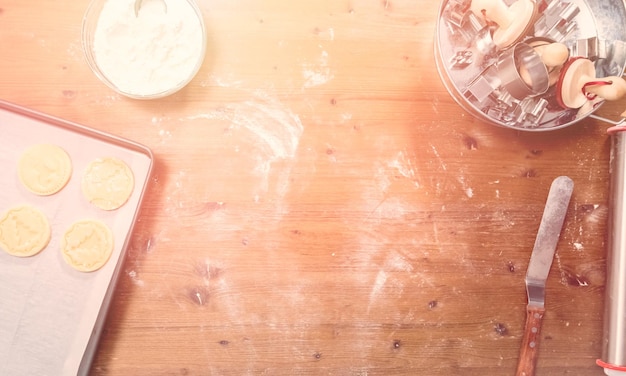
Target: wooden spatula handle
x=530, y=343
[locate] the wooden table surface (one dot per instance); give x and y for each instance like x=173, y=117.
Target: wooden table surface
x=321, y=206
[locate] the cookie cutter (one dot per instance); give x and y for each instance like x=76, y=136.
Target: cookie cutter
x=475, y=71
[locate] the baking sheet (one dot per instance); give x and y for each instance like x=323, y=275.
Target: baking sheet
x=52, y=315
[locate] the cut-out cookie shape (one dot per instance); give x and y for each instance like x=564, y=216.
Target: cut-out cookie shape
x=44, y=169
x=87, y=245
x=108, y=183
x=24, y=231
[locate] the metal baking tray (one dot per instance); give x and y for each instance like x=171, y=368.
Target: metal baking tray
x=52, y=315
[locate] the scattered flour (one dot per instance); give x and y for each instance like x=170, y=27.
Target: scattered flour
x=133, y=276
x=266, y=132
x=318, y=73
x=404, y=165
x=152, y=52
x=379, y=283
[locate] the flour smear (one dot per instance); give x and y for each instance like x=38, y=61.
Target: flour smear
x=276, y=128
x=318, y=72
x=150, y=53
x=272, y=132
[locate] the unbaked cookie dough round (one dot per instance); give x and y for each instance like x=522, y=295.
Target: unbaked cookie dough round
x=24, y=231
x=87, y=245
x=44, y=169
x=108, y=183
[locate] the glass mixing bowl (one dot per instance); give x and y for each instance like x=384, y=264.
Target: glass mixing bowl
x=148, y=55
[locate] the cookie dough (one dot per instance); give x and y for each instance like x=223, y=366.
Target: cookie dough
x=87, y=245
x=24, y=231
x=44, y=169
x=108, y=183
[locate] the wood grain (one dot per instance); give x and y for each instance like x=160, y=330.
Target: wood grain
x=321, y=205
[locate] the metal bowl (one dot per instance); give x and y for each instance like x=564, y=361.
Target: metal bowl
x=474, y=69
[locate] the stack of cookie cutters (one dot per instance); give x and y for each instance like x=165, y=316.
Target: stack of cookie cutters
x=497, y=73
x=488, y=54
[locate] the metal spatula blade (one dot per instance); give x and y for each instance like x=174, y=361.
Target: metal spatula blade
x=539, y=268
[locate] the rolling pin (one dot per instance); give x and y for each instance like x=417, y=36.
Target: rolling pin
x=614, y=336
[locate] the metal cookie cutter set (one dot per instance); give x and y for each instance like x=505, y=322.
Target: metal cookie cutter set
x=532, y=64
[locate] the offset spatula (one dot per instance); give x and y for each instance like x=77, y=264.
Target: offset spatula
x=539, y=267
